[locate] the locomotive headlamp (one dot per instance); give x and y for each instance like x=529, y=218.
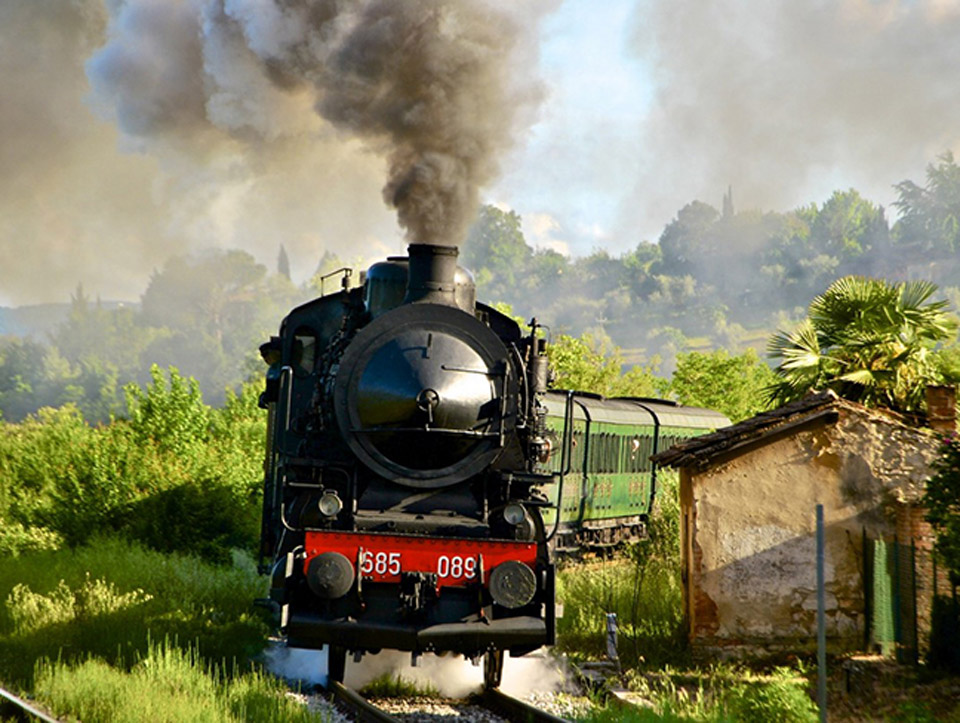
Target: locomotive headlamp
x=512, y=584
x=330, y=504
x=514, y=513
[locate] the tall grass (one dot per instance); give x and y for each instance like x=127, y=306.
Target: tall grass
x=722, y=693
x=641, y=585
x=107, y=599
x=648, y=605
x=168, y=684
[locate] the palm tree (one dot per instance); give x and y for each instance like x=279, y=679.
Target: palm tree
x=867, y=339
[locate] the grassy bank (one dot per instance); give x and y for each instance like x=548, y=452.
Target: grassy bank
x=112, y=631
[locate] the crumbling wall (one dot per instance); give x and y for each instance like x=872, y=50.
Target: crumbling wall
x=751, y=556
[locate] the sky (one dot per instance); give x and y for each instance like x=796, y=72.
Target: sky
x=652, y=104
x=569, y=177
x=126, y=137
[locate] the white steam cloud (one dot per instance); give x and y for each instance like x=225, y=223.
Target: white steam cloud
x=781, y=98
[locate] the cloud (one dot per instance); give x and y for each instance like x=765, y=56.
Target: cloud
x=540, y=230
x=781, y=98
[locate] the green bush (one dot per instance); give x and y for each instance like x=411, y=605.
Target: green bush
x=16, y=538
x=940, y=498
x=177, y=475
x=206, y=518
x=171, y=415
x=781, y=698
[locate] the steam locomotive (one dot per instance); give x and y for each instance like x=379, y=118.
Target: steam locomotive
x=420, y=478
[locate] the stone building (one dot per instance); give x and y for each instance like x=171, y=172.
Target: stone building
x=748, y=497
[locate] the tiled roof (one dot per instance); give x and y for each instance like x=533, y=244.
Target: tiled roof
x=699, y=450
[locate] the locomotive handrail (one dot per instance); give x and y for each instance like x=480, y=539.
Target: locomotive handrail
x=484, y=372
x=442, y=430
x=566, y=460
x=566, y=454
x=286, y=377
x=524, y=386
x=587, y=450
x=656, y=444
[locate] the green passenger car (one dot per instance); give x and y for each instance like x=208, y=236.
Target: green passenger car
x=605, y=483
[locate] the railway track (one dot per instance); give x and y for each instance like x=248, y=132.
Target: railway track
x=17, y=708
x=504, y=707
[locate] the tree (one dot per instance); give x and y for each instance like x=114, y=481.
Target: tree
x=847, y=226
x=218, y=308
x=587, y=365
x=283, y=262
x=173, y=415
x=684, y=238
x=930, y=215
x=734, y=385
x=867, y=339
x=496, y=251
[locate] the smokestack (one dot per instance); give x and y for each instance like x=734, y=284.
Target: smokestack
x=942, y=408
x=432, y=275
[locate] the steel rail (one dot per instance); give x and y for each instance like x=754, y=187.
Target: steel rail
x=514, y=709
x=24, y=709
x=359, y=706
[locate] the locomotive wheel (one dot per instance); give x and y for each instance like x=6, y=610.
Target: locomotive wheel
x=336, y=663
x=492, y=668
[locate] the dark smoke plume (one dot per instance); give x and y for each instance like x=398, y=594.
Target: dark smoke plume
x=431, y=86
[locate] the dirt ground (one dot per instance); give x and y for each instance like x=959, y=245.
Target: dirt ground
x=872, y=688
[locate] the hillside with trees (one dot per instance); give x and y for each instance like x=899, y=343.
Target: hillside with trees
x=723, y=278
x=682, y=316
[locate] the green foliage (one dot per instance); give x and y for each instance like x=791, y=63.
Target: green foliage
x=495, y=250
x=30, y=611
x=177, y=475
x=721, y=693
x=782, y=697
x=867, y=339
x=734, y=385
x=682, y=239
x=16, y=538
x=587, y=365
x=846, y=226
x=171, y=416
x=942, y=500
x=204, y=517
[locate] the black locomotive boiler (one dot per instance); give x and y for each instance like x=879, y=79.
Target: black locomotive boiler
x=415, y=462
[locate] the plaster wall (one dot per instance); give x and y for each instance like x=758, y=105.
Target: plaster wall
x=750, y=526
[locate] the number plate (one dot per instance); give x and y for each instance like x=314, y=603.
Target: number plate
x=382, y=558
x=450, y=569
